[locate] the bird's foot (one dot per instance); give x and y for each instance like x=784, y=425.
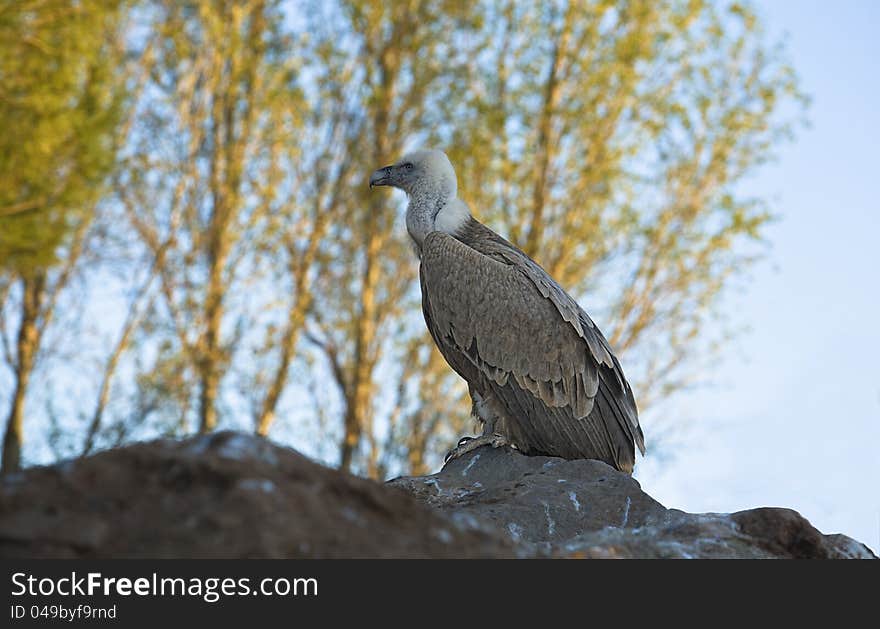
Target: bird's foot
x=469, y=444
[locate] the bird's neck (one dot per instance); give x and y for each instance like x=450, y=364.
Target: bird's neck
x=434, y=210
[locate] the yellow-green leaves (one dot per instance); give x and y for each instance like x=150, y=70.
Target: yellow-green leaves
x=60, y=107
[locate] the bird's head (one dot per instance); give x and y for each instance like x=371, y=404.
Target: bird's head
x=429, y=180
x=428, y=172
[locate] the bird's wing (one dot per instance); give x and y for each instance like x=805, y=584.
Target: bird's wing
x=513, y=321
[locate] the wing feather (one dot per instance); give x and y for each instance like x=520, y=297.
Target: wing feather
x=500, y=312
x=476, y=300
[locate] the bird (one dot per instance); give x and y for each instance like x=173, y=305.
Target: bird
x=541, y=376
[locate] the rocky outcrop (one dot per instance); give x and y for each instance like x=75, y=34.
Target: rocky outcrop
x=588, y=509
x=224, y=495
x=236, y=495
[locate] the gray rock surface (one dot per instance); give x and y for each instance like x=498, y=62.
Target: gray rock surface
x=587, y=509
x=236, y=495
x=225, y=495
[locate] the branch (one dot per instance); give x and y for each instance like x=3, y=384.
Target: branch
x=332, y=353
x=132, y=321
x=22, y=207
x=76, y=249
x=5, y=289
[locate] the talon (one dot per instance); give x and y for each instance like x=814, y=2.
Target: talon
x=449, y=455
x=468, y=444
x=454, y=452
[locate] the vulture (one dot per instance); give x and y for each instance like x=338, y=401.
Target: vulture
x=541, y=375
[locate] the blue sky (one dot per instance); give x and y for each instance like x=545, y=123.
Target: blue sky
x=793, y=416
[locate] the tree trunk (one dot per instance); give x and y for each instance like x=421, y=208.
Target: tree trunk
x=224, y=182
x=350, y=439
x=358, y=407
x=357, y=411
x=208, y=399
x=295, y=321
x=26, y=349
x=211, y=351
x=545, y=142
x=416, y=454
x=288, y=347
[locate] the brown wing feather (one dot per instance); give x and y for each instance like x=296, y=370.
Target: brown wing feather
x=499, y=318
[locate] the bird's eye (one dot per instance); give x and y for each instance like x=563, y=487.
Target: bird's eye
x=408, y=166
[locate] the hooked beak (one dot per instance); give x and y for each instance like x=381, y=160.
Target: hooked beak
x=381, y=177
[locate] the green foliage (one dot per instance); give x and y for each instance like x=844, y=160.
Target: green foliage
x=61, y=102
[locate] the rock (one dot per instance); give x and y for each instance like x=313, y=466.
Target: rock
x=536, y=499
x=225, y=495
x=236, y=495
x=588, y=509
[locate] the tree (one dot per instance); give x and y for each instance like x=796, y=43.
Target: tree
x=297, y=234
x=205, y=185
x=394, y=57
x=61, y=102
